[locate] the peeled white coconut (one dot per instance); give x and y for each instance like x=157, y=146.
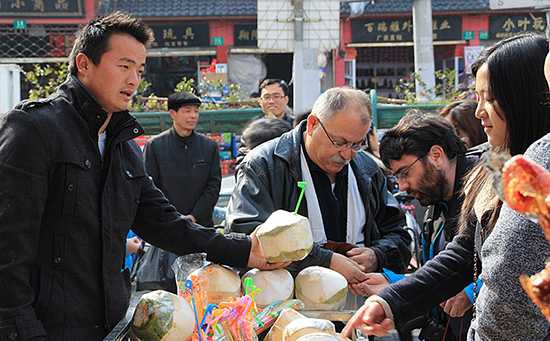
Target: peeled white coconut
x=285, y=237
x=321, y=288
x=163, y=316
x=305, y=326
x=276, y=285
x=320, y=337
x=223, y=284
x=285, y=318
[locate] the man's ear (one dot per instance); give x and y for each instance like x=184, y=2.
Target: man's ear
x=437, y=155
x=82, y=63
x=311, y=121
x=172, y=113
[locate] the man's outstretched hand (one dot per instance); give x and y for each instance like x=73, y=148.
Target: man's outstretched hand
x=370, y=319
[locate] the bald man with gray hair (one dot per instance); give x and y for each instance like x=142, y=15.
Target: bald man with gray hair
x=356, y=223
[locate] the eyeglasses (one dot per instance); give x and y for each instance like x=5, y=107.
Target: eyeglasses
x=403, y=173
x=274, y=97
x=355, y=146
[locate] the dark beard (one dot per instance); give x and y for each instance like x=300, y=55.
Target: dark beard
x=432, y=187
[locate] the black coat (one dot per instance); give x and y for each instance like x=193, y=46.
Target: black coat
x=267, y=181
x=65, y=213
x=187, y=170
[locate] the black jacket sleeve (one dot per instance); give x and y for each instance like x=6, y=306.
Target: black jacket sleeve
x=160, y=224
x=206, y=202
x=251, y=203
x=442, y=277
x=24, y=162
x=151, y=163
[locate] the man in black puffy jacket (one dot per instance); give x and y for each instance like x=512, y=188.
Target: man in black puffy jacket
x=72, y=183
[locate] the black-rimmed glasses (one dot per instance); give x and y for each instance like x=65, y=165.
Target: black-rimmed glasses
x=403, y=173
x=355, y=146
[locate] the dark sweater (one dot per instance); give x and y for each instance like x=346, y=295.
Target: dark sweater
x=187, y=170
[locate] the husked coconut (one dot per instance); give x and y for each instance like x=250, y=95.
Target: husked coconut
x=276, y=285
x=285, y=318
x=305, y=326
x=223, y=284
x=321, y=288
x=285, y=237
x=320, y=337
x=163, y=316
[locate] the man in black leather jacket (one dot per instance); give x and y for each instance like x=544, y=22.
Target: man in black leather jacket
x=72, y=183
x=332, y=139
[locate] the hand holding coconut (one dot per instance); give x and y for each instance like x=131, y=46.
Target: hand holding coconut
x=258, y=259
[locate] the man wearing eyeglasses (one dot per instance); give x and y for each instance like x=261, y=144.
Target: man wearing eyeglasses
x=429, y=161
x=346, y=199
x=274, y=100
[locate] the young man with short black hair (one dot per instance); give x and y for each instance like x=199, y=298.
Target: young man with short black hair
x=73, y=182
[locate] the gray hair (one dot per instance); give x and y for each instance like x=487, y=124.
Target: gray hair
x=337, y=99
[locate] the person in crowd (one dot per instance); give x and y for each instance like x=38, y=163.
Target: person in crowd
x=184, y=164
x=461, y=114
x=259, y=131
x=429, y=162
x=274, y=99
x=73, y=183
x=346, y=198
x=514, y=111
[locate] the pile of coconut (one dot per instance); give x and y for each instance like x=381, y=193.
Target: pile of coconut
x=293, y=326
x=285, y=236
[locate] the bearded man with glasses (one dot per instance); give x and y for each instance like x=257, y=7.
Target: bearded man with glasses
x=429, y=162
x=346, y=200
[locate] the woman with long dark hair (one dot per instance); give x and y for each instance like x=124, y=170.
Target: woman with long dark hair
x=513, y=107
x=461, y=114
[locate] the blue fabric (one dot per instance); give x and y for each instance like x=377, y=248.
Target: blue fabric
x=469, y=290
x=130, y=259
x=391, y=276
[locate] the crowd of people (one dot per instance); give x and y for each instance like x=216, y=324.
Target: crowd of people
x=74, y=183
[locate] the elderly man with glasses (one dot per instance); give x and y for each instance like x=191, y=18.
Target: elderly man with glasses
x=429, y=161
x=346, y=200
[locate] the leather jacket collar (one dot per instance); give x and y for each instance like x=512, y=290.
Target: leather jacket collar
x=288, y=149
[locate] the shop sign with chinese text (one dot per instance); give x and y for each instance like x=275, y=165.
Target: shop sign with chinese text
x=180, y=35
x=504, y=26
x=401, y=29
x=245, y=34
x=41, y=8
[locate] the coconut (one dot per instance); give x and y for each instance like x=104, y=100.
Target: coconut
x=222, y=283
x=163, y=316
x=276, y=285
x=285, y=237
x=284, y=319
x=305, y=326
x=321, y=288
x=320, y=337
